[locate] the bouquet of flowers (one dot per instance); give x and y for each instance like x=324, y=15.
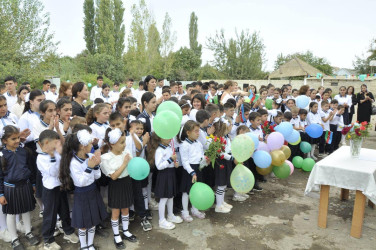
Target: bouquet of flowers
x=216, y=148
x=267, y=128
x=356, y=131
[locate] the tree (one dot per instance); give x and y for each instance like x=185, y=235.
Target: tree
x=239, y=58
x=186, y=61
x=193, y=33
x=119, y=28
x=89, y=26
x=361, y=63
x=318, y=62
x=105, y=28
x=168, y=39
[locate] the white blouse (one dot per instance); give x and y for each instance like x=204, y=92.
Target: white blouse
x=163, y=157
x=82, y=175
x=313, y=118
x=111, y=162
x=191, y=152
x=27, y=121
x=17, y=109
x=99, y=131
x=344, y=99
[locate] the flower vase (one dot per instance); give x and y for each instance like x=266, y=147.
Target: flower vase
x=355, y=146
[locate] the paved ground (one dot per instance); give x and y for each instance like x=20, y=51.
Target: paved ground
x=279, y=217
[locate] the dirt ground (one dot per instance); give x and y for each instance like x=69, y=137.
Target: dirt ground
x=279, y=217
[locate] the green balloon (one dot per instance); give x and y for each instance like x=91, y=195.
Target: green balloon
x=305, y=147
x=242, y=147
x=269, y=104
x=170, y=106
x=282, y=171
x=201, y=196
x=166, y=124
x=297, y=161
x=138, y=168
x=242, y=180
x=308, y=164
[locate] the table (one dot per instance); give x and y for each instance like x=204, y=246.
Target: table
x=340, y=170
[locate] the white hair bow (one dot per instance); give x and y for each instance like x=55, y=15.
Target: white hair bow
x=132, y=118
x=143, y=120
x=84, y=137
x=114, y=135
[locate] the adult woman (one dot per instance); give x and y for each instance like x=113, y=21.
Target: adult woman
x=18, y=108
x=305, y=90
x=351, y=92
x=65, y=90
x=80, y=93
x=344, y=100
x=365, y=100
x=230, y=90
x=150, y=84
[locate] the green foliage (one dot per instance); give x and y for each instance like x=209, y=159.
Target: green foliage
x=185, y=62
x=193, y=34
x=361, y=63
x=89, y=26
x=239, y=58
x=105, y=28
x=119, y=28
x=318, y=62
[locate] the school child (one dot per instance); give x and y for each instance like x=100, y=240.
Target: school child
x=287, y=117
x=340, y=126
x=277, y=119
x=134, y=102
x=114, y=93
x=105, y=93
x=295, y=93
x=191, y=153
x=326, y=116
x=120, y=195
x=166, y=95
x=289, y=105
x=97, y=119
x=17, y=178
x=6, y=117
x=241, y=118
x=264, y=116
x=276, y=106
x=277, y=93
x=53, y=94
x=123, y=106
x=336, y=125
x=55, y=201
x=79, y=169
x=185, y=108
x=260, y=103
x=325, y=97
x=198, y=102
x=166, y=185
x=313, y=117
x=270, y=88
x=140, y=91
x=229, y=110
x=64, y=111
x=213, y=110
x=76, y=120
x=346, y=101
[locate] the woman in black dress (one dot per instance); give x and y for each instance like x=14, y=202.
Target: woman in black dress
x=365, y=100
x=80, y=93
x=351, y=92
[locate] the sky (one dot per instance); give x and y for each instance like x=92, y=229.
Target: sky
x=334, y=29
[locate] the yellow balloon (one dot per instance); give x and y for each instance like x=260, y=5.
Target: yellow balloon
x=264, y=171
x=242, y=180
x=278, y=157
x=297, y=142
x=286, y=151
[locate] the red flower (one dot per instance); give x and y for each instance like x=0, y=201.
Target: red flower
x=364, y=123
x=225, y=142
x=215, y=139
x=218, y=150
x=362, y=128
x=222, y=156
x=221, y=166
x=223, y=148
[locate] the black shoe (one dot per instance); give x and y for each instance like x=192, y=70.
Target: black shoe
x=32, y=239
x=131, y=238
x=16, y=244
x=146, y=226
x=149, y=215
x=119, y=245
x=256, y=187
x=131, y=215
x=100, y=231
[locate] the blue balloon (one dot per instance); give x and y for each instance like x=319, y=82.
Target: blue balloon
x=285, y=128
x=293, y=137
x=262, y=159
x=314, y=130
x=302, y=101
x=254, y=138
x=138, y=168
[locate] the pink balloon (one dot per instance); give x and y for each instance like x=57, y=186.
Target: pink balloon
x=275, y=141
x=291, y=166
x=263, y=146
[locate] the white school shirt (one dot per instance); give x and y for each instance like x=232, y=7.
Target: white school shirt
x=271, y=114
x=49, y=168
x=184, y=119
x=313, y=118
x=192, y=114
x=257, y=131
x=191, y=152
x=105, y=98
x=114, y=95
x=202, y=139
x=99, y=131
x=8, y=119
x=302, y=123
x=325, y=114
x=131, y=146
x=27, y=121
x=38, y=128
x=163, y=158
x=335, y=119
x=17, y=109
x=11, y=100
x=158, y=90
x=95, y=92
x=295, y=122
x=138, y=95
x=344, y=99
x=340, y=124
x=228, y=96
x=81, y=174
x=110, y=163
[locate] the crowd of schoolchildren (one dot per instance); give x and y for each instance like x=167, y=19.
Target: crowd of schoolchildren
x=71, y=160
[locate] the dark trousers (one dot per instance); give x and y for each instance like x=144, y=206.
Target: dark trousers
x=322, y=144
x=346, y=117
x=252, y=166
x=350, y=117
x=138, y=198
x=336, y=138
x=55, y=202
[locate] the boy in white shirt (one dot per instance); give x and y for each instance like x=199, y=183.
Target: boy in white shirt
x=326, y=116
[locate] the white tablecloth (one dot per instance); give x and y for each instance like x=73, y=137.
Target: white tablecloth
x=340, y=170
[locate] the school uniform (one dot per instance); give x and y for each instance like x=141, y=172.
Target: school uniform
x=313, y=118
x=223, y=167
x=323, y=146
x=27, y=121
x=55, y=201
x=99, y=131
x=11, y=99
x=191, y=153
x=120, y=193
x=106, y=99
x=16, y=181
x=147, y=120
x=347, y=99
x=333, y=129
x=8, y=119
x=115, y=95
x=165, y=186
x=95, y=93
x=88, y=207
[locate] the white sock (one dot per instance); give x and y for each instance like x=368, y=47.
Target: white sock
x=11, y=223
x=170, y=207
x=145, y=195
x=125, y=221
x=17, y=218
x=90, y=236
x=219, y=195
x=150, y=182
x=40, y=204
x=3, y=219
x=184, y=201
x=115, y=228
x=27, y=222
x=82, y=236
x=162, y=208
